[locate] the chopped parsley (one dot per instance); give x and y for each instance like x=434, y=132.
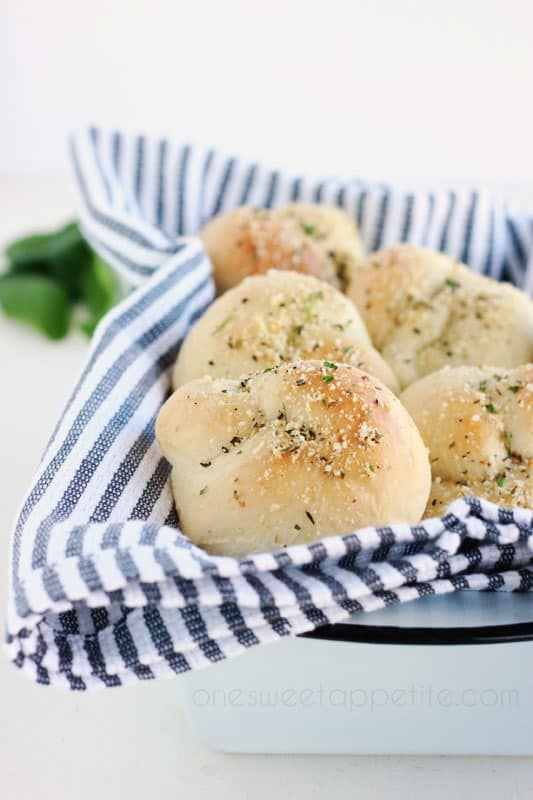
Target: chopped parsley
x=490, y=408
x=452, y=283
x=310, y=301
x=222, y=325
x=329, y=365
x=296, y=332
x=327, y=378
x=308, y=228
x=514, y=389
x=342, y=271
x=500, y=480
x=483, y=386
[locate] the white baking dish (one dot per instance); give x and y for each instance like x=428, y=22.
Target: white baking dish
x=445, y=675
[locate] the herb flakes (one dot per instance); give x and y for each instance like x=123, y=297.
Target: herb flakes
x=452, y=283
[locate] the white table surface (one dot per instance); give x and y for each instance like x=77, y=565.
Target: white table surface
x=133, y=742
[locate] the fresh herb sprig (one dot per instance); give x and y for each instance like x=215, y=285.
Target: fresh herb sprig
x=51, y=276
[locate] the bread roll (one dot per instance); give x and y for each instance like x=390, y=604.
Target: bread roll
x=276, y=318
x=290, y=455
x=335, y=232
x=424, y=310
x=478, y=425
x=317, y=240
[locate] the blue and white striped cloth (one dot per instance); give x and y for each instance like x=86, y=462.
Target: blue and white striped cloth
x=104, y=587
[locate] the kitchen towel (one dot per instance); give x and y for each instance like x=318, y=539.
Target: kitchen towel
x=104, y=588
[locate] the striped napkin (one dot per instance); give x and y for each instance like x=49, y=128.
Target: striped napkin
x=104, y=588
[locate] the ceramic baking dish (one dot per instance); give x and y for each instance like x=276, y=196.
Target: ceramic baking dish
x=444, y=675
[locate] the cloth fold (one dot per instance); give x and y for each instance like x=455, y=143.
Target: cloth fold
x=104, y=588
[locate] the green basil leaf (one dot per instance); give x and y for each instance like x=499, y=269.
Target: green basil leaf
x=99, y=289
x=41, y=247
x=59, y=255
x=37, y=300
x=28, y=252
x=88, y=326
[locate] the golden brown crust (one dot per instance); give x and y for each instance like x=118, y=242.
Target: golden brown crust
x=424, y=310
x=336, y=234
x=290, y=455
x=316, y=240
x=478, y=425
x=277, y=318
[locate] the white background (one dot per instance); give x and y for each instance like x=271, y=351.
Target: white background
x=436, y=91
x=377, y=88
